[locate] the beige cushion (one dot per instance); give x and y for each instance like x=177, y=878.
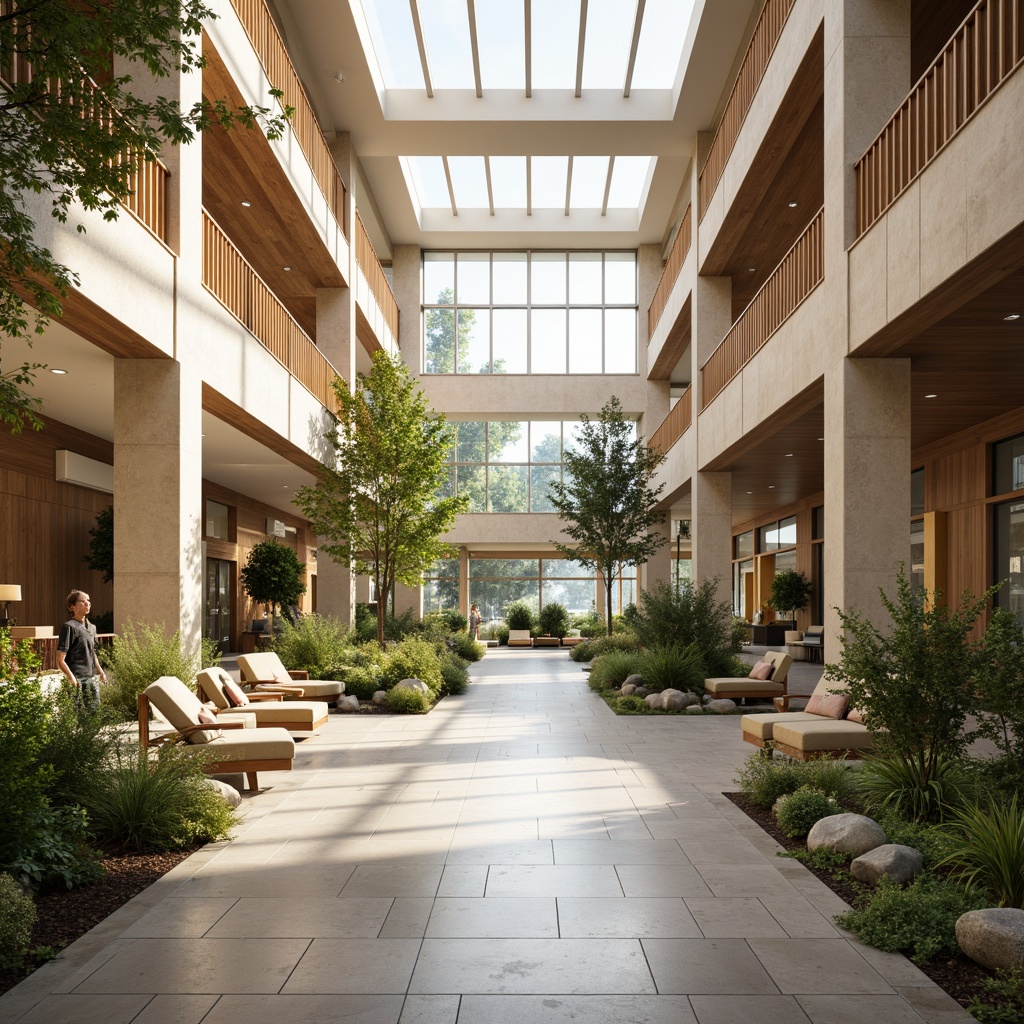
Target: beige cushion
x=763, y=725
x=217, y=686
x=315, y=689
x=206, y=717
x=267, y=666
x=252, y=745
x=175, y=701
x=831, y=705
x=762, y=670
x=823, y=734
x=270, y=712
x=781, y=661
x=727, y=686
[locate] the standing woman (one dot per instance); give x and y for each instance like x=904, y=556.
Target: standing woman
x=474, y=622
x=76, y=651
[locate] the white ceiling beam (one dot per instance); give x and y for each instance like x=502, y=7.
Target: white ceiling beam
x=638, y=22
x=607, y=186
x=490, y=190
x=580, y=47
x=568, y=185
x=414, y=9
x=528, y=30
x=471, y=12
x=451, y=187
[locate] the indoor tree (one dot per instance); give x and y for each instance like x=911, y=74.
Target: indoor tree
x=381, y=506
x=791, y=590
x=273, y=575
x=606, y=500
x=79, y=145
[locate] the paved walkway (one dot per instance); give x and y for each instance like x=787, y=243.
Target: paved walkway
x=519, y=855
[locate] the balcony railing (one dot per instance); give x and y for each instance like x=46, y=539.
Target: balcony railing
x=674, y=425
x=266, y=41
x=982, y=54
x=243, y=292
x=368, y=263
x=755, y=62
x=673, y=265
x=799, y=273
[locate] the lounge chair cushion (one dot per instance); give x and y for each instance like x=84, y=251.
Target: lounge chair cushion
x=253, y=745
x=823, y=734
x=761, y=726
x=267, y=671
x=731, y=686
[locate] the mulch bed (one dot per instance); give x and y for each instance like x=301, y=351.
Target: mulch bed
x=960, y=977
x=65, y=915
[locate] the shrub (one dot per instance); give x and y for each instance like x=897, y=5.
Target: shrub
x=988, y=850
x=143, y=653
x=802, y=810
x=919, y=920
x=691, y=615
x=316, y=643
x=396, y=627
x=1004, y=999
x=467, y=648
x=921, y=836
x=17, y=916
x=361, y=681
x=403, y=701
x=158, y=804
x=790, y=591
x=1001, y=690
x=455, y=675
x=58, y=849
x=412, y=658
x=553, y=619
x=519, y=615
x=590, y=649
x=918, y=683
x=610, y=672
x=672, y=667
x=589, y=624
x=499, y=632
x=831, y=776
x=454, y=620
x=630, y=705
x=764, y=779
x=916, y=785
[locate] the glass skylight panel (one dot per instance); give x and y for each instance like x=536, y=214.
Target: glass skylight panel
x=547, y=181
x=589, y=174
x=629, y=175
x=501, y=40
x=606, y=50
x=394, y=43
x=508, y=182
x=446, y=36
x=431, y=184
x=469, y=182
x=555, y=39
x=661, y=43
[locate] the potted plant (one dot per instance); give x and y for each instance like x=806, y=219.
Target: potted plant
x=273, y=575
x=791, y=590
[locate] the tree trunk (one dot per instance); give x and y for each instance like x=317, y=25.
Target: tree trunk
x=382, y=611
x=608, y=581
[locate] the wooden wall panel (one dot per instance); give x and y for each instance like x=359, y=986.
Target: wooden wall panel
x=956, y=479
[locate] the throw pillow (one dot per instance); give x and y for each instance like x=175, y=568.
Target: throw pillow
x=856, y=715
x=828, y=705
x=206, y=717
x=234, y=693
x=762, y=670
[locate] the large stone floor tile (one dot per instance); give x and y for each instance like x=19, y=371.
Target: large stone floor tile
x=86, y=1009
x=763, y=1009
x=341, y=918
x=173, y=1009
x=306, y=1009
x=494, y=917
x=838, y=1009
x=530, y=851
x=180, y=918
x=553, y=880
x=354, y=966
x=402, y=879
x=540, y=966
x=741, y=917
x=617, y=851
x=564, y=1009
x=666, y=880
x=644, y=917
x=707, y=967
x=430, y=1010
x=818, y=966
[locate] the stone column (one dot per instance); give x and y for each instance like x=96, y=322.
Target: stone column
x=405, y=268
x=464, y=579
x=659, y=568
x=867, y=402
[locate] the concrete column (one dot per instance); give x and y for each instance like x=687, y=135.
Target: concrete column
x=867, y=402
x=711, y=530
x=464, y=579
x=405, y=266
x=408, y=599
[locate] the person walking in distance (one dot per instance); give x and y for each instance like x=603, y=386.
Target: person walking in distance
x=474, y=622
x=76, y=652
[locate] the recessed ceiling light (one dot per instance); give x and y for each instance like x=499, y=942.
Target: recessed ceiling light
x=286, y=268
x=771, y=487
x=750, y=492
x=931, y=396
x=821, y=439
x=1012, y=316
x=792, y=205
x=789, y=455
x=57, y=370
x=245, y=202
x=751, y=270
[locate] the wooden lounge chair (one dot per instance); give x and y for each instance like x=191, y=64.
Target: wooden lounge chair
x=519, y=638
x=268, y=709
x=758, y=728
x=572, y=638
x=266, y=672
x=736, y=687
x=226, y=746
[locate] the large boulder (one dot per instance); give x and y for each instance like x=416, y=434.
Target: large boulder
x=635, y=679
x=676, y=700
x=694, y=709
x=229, y=793
x=993, y=938
x=654, y=701
x=721, y=706
x=626, y=689
x=641, y=691
x=349, y=703
x=890, y=860
x=413, y=684
x=854, y=834
x=380, y=697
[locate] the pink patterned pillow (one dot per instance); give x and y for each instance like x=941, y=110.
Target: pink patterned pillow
x=206, y=717
x=234, y=693
x=856, y=715
x=762, y=670
x=828, y=705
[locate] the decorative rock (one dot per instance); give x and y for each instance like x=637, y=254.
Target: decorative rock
x=891, y=860
x=675, y=700
x=349, y=703
x=694, y=709
x=380, y=697
x=654, y=701
x=413, y=684
x=626, y=689
x=854, y=834
x=229, y=793
x=634, y=680
x=641, y=691
x=993, y=938
x=721, y=706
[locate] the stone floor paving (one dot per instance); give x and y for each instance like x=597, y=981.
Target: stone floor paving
x=519, y=856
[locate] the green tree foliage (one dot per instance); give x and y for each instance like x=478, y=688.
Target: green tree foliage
x=379, y=507
x=101, y=546
x=273, y=575
x=79, y=145
x=553, y=619
x=791, y=590
x=1001, y=695
x=606, y=501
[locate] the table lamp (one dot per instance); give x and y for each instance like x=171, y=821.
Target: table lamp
x=8, y=592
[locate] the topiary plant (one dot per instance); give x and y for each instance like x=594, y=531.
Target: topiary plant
x=799, y=812
x=403, y=701
x=553, y=620
x=791, y=590
x=519, y=615
x=273, y=575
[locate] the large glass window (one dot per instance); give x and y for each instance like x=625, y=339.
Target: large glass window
x=1010, y=557
x=217, y=520
x=441, y=586
x=917, y=556
x=1009, y=465
x=917, y=492
x=530, y=312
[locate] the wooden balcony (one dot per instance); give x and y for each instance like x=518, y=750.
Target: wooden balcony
x=266, y=41
x=675, y=424
x=769, y=28
x=673, y=265
x=983, y=53
x=244, y=294
x=799, y=273
x=368, y=263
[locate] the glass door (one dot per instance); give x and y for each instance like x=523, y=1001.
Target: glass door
x=217, y=601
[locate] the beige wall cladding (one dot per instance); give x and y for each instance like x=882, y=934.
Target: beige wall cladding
x=903, y=253
x=534, y=529
x=676, y=300
x=679, y=465
x=943, y=234
x=533, y=396
x=868, y=271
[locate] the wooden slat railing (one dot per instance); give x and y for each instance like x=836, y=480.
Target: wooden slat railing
x=228, y=275
x=148, y=178
x=673, y=265
x=983, y=52
x=799, y=273
x=266, y=41
x=368, y=263
x=675, y=424
x=755, y=62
